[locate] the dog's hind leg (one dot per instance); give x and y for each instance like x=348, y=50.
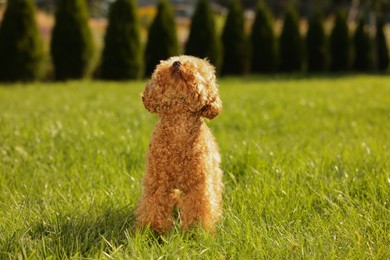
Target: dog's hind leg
x=155, y=210
x=195, y=209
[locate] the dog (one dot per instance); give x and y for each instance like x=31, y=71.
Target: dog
x=183, y=160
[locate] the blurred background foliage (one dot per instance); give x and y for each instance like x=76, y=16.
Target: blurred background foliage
x=99, y=8
x=263, y=36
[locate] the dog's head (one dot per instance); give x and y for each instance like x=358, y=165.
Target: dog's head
x=183, y=83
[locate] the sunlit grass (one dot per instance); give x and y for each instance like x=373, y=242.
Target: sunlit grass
x=306, y=162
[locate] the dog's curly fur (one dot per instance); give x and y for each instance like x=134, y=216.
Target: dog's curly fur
x=183, y=160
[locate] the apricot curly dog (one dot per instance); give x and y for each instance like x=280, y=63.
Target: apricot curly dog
x=183, y=159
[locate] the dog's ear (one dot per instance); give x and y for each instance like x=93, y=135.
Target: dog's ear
x=149, y=98
x=212, y=108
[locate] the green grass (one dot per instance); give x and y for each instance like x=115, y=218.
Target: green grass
x=306, y=163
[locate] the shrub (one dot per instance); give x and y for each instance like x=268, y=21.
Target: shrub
x=21, y=49
x=122, y=55
x=340, y=47
x=235, y=44
x=382, y=51
x=291, y=43
x=263, y=41
x=203, y=40
x=71, y=45
x=316, y=46
x=363, y=57
x=162, y=38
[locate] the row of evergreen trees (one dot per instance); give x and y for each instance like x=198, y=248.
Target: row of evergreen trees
x=317, y=52
x=123, y=57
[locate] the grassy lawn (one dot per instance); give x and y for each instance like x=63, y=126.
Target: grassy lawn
x=306, y=163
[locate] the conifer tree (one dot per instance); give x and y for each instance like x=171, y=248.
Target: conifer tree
x=316, y=46
x=382, y=50
x=340, y=47
x=203, y=41
x=291, y=43
x=263, y=41
x=72, y=44
x=162, y=37
x=363, y=48
x=122, y=54
x=21, y=50
x=234, y=41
